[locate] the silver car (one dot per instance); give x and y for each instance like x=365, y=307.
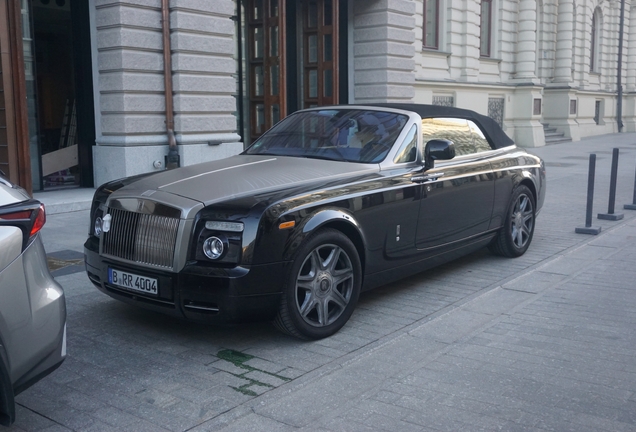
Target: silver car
x=32, y=305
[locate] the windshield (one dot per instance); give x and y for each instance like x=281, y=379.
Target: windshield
x=335, y=134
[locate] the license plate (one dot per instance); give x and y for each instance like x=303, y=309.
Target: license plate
x=132, y=281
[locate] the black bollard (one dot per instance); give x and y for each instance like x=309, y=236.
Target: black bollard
x=610, y=215
x=590, y=199
x=632, y=206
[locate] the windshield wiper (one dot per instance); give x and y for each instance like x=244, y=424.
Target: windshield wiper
x=340, y=158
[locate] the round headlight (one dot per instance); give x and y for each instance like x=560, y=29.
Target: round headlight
x=98, y=226
x=213, y=247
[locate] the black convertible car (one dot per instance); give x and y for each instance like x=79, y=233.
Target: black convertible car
x=330, y=202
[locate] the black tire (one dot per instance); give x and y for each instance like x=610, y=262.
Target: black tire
x=322, y=288
x=513, y=239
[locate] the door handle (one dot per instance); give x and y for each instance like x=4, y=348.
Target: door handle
x=425, y=178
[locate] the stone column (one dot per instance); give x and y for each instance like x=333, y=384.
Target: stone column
x=470, y=69
x=558, y=95
x=629, y=97
x=526, y=58
x=528, y=131
x=631, y=50
x=383, y=50
x=204, y=45
x=563, y=66
x=130, y=115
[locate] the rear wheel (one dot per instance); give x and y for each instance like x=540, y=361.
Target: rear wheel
x=322, y=288
x=515, y=236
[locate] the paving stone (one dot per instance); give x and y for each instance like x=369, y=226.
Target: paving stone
x=228, y=367
x=115, y=417
x=291, y=373
x=157, y=416
x=56, y=428
x=338, y=424
x=452, y=326
x=294, y=358
x=534, y=282
x=385, y=423
x=262, y=377
x=157, y=398
x=264, y=365
x=232, y=380
x=82, y=402
x=29, y=420
x=255, y=422
x=387, y=396
x=75, y=419
x=145, y=426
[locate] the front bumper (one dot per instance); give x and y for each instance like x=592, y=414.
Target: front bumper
x=199, y=294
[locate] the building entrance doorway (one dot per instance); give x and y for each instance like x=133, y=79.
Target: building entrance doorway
x=292, y=57
x=59, y=86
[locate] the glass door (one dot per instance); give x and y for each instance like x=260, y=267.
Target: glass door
x=31, y=90
x=278, y=74
x=320, y=53
x=55, y=111
x=266, y=63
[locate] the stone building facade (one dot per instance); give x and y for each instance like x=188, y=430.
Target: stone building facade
x=543, y=69
x=551, y=62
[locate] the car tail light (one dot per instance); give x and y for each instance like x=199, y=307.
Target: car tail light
x=29, y=216
x=40, y=220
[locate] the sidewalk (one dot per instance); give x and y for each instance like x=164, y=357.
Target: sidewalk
x=542, y=342
x=533, y=354
x=66, y=200
x=553, y=348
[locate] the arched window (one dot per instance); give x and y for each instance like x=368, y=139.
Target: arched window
x=485, y=28
x=430, y=28
x=595, y=45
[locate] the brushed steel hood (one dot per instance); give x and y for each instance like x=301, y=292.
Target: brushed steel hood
x=244, y=175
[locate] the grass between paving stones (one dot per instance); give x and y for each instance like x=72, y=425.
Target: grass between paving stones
x=238, y=359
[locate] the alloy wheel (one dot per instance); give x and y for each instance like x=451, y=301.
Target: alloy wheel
x=522, y=221
x=324, y=285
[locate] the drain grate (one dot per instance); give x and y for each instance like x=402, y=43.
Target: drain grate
x=65, y=262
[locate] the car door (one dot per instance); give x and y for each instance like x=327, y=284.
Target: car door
x=400, y=218
x=388, y=210
x=458, y=194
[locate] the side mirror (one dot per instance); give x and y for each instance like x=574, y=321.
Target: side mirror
x=438, y=149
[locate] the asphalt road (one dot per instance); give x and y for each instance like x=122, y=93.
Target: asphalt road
x=541, y=342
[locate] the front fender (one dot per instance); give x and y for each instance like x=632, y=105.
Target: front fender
x=328, y=218
x=536, y=178
x=323, y=217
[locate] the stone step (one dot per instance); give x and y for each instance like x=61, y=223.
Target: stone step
x=556, y=140
x=552, y=136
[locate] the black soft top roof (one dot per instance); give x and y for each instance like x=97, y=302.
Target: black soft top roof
x=495, y=135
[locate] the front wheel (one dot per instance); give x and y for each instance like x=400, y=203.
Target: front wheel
x=322, y=288
x=515, y=236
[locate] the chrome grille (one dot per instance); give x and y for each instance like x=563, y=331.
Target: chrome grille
x=142, y=238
